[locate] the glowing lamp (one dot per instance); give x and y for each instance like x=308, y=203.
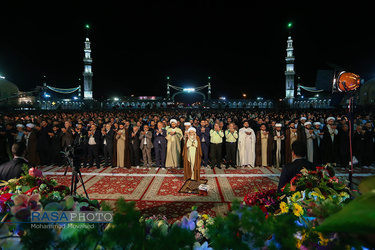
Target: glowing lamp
x=347, y=81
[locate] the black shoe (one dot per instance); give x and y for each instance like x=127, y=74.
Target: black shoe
x=219, y=167
x=113, y=166
x=227, y=166
x=212, y=167
x=234, y=167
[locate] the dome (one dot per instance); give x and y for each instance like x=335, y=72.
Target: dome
x=7, y=89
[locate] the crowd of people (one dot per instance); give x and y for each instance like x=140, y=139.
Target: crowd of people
x=172, y=138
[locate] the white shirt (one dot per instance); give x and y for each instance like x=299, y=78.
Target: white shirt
x=92, y=140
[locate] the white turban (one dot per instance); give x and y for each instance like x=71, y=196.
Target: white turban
x=303, y=118
x=278, y=125
x=307, y=123
x=173, y=120
x=317, y=123
x=30, y=125
x=192, y=129
x=20, y=126
x=331, y=118
x=187, y=124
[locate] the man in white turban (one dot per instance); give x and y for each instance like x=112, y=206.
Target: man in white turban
x=246, y=146
x=329, y=142
x=318, y=140
x=187, y=125
x=192, y=156
x=174, y=136
x=278, y=145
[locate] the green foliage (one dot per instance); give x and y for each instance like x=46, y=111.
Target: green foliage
x=284, y=228
x=78, y=238
x=356, y=217
x=177, y=238
x=104, y=206
x=25, y=170
x=367, y=184
x=41, y=238
x=248, y=228
x=126, y=231
x=324, y=205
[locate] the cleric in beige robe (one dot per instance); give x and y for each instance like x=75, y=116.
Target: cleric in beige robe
x=174, y=136
x=192, y=156
x=263, y=147
x=122, y=147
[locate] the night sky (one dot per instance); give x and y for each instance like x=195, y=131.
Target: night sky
x=137, y=44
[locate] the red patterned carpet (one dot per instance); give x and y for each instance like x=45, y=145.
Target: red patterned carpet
x=156, y=191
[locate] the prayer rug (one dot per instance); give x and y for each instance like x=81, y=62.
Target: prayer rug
x=191, y=186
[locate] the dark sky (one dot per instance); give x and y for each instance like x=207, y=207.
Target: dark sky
x=137, y=44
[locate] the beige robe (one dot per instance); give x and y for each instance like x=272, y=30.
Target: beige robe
x=121, y=149
x=192, y=149
x=264, y=142
x=192, y=158
x=173, y=148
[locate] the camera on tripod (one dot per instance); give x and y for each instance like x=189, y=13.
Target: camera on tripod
x=74, y=154
x=71, y=156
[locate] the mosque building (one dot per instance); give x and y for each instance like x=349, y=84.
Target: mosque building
x=47, y=97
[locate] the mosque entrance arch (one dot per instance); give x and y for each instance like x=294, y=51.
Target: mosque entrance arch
x=183, y=92
x=189, y=90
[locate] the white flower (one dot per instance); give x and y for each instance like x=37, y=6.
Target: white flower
x=200, y=223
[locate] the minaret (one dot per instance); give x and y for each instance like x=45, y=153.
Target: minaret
x=209, y=89
x=289, y=73
x=87, y=73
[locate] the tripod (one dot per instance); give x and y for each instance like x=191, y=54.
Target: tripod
x=77, y=177
x=74, y=163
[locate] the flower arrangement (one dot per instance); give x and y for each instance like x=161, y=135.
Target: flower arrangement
x=201, y=234
x=322, y=180
x=268, y=201
x=199, y=225
x=155, y=222
x=29, y=184
x=311, y=198
x=33, y=192
x=321, y=216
